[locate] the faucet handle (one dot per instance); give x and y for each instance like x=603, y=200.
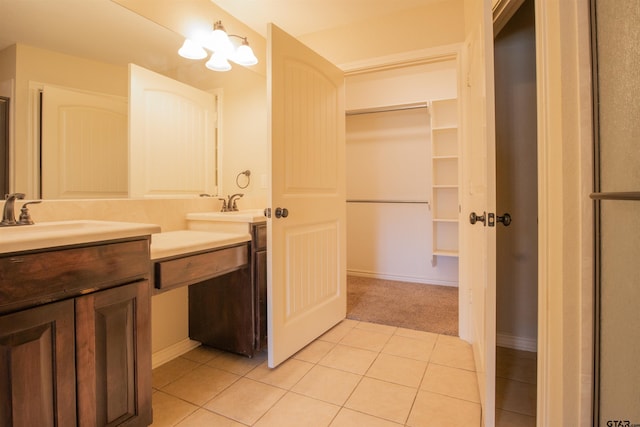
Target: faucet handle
x=25, y=216
x=224, y=205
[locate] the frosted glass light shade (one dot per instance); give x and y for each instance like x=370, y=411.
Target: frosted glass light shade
x=218, y=62
x=192, y=50
x=244, y=55
x=219, y=41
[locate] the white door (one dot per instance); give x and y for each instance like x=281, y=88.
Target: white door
x=172, y=137
x=306, y=231
x=84, y=144
x=478, y=241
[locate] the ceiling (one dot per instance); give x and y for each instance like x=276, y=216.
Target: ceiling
x=298, y=17
x=104, y=30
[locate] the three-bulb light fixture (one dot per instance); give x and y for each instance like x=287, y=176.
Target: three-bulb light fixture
x=219, y=42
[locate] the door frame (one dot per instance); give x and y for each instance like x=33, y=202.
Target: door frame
x=565, y=213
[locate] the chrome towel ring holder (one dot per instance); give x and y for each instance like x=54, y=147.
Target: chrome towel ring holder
x=246, y=173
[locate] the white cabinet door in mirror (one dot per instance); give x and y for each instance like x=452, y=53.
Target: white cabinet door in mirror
x=172, y=137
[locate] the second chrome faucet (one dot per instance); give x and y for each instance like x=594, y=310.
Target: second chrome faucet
x=231, y=204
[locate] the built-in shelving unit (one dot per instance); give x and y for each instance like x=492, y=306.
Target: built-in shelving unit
x=445, y=178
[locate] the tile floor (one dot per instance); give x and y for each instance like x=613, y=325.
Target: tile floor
x=357, y=374
x=515, y=388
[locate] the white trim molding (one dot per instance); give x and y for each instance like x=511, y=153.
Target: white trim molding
x=173, y=351
x=517, y=343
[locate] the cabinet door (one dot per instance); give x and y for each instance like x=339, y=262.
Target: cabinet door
x=261, y=299
x=37, y=367
x=113, y=339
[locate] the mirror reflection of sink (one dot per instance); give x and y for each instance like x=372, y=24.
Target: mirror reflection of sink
x=61, y=233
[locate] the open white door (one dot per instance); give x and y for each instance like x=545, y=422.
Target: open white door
x=306, y=232
x=478, y=240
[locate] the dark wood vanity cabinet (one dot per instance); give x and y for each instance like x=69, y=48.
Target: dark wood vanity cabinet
x=75, y=347
x=259, y=279
x=229, y=312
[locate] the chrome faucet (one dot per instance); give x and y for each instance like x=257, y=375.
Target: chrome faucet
x=9, y=215
x=232, y=205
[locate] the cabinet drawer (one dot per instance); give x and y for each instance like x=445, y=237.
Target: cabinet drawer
x=35, y=278
x=260, y=237
x=196, y=268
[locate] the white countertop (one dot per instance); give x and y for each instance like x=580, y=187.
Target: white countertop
x=63, y=233
x=172, y=243
x=246, y=215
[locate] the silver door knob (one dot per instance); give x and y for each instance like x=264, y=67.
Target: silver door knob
x=282, y=212
x=504, y=219
x=473, y=218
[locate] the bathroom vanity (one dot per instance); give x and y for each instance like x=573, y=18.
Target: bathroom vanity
x=75, y=333
x=222, y=259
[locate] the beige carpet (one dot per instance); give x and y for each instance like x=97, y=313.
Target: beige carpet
x=417, y=306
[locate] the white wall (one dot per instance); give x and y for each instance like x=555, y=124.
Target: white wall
x=394, y=240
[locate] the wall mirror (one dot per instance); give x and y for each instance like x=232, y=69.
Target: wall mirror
x=83, y=45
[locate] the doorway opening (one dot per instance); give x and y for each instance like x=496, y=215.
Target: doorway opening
x=402, y=195
x=516, y=196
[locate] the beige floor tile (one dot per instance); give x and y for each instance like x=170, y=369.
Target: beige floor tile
x=436, y=410
x=412, y=348
x=349, y=359
x=314, y=351
x=169, y=410
x=236, y=364
x=202, y=418
x=516, y=365
x=327, y=384
x=398, y=370
x=338, y=332
x=454, y=352
x=201, y=384
x=382, y=399
x=171, y=371
x=203, y=354
x=284, y=376
x=511, y=419
x=516, y=396
x=245, y=401
x=294, y=410
x=453, y=382
x=364, y=339
x=418, y=335
x=348, y=418
x=376, y=327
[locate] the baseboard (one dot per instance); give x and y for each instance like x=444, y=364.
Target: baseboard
x=178, y=349
x=517, y=343
x=409, y=279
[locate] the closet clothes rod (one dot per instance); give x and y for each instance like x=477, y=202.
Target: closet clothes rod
x=387, y=108
x=417, y=202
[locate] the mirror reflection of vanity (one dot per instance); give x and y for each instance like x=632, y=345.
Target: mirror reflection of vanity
x=48, y=55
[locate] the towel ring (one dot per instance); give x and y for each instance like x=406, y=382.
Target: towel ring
x=246, y=173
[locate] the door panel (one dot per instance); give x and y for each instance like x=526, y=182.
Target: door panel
x=617, y=372
x=37, y=367
x=84, y=144
x=306, y=248
x=478, y=241
x=162, y=112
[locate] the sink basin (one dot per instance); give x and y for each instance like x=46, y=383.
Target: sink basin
x=245, y=215
x=61, y=233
